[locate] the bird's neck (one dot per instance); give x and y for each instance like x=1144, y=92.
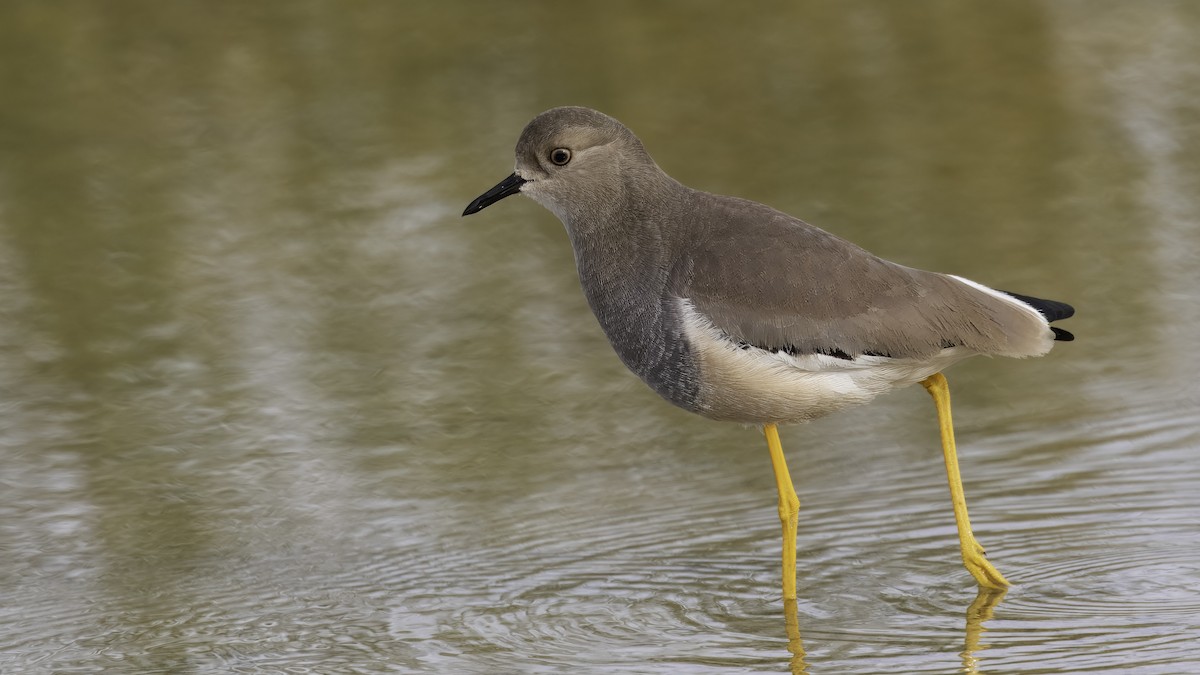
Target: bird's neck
x=625, y=261
x=623, y=249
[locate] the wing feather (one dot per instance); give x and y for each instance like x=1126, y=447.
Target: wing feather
x=808, y=291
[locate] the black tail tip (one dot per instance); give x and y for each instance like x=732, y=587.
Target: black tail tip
x=1062, y=335
x=1053, y=310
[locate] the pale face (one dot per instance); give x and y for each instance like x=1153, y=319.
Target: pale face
x=567, y=170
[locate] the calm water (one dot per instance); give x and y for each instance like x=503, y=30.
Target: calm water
x=267, y=404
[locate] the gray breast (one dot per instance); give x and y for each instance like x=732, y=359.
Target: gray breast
x=629, y=296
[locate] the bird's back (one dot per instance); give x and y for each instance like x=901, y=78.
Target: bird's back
x=773, y=281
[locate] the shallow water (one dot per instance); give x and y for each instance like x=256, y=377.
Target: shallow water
x=267, y=404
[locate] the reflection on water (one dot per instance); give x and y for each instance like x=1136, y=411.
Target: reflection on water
x=269, y=405
x=981, y=610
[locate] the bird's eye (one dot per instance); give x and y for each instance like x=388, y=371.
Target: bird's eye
x=560, y=156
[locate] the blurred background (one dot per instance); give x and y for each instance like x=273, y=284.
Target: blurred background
x=267, y=404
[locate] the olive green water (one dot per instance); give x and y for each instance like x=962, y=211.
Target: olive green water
x=267, y=404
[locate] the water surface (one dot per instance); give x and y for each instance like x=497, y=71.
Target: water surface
x=267, y=404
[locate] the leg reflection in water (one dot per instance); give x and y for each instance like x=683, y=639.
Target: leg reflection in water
x=795, y=644
x=980, y=610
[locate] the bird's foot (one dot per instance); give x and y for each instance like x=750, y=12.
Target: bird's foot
x=976, y=562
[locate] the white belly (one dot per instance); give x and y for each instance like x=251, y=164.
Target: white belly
x=757, y=386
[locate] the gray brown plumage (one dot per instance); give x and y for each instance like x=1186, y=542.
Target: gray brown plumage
x=736, y=311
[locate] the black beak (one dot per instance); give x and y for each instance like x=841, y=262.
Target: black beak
x=508, y=186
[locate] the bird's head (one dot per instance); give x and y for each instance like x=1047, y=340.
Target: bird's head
x=573, y=161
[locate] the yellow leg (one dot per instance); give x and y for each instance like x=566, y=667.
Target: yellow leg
x=972, y=552
x=789, y=510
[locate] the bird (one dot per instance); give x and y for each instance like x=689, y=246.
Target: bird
x=738, y=312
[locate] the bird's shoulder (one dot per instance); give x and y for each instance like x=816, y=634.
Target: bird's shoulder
x=741, y=252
